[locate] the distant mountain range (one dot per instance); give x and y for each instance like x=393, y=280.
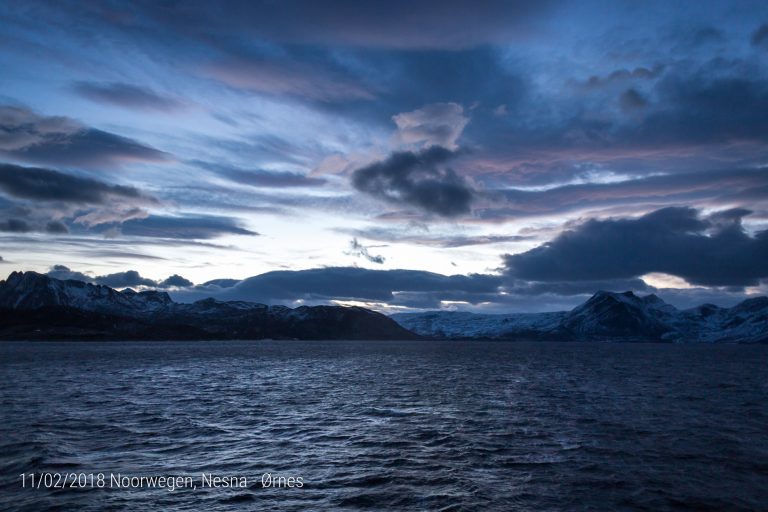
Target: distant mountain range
x=605, y=316
x=38, y=307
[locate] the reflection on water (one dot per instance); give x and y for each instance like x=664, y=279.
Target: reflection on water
x=390, y=425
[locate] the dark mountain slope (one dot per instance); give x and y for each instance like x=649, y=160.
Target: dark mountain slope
x=35, y=306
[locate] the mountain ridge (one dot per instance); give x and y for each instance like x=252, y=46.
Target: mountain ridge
x=36, y=306
x=606, y=316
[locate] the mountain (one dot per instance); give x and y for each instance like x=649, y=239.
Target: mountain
x=606, y=316
x=462, y=325
x=35, y=306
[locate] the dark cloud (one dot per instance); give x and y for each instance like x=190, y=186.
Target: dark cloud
x=719, y=103
x=357, y=249
x=415, y=179
x=59, y=195
x=63, y=272
x=27, y=136
x=760, y=36
x=400, y=288
x=706, y=35
x=189, y=227
x=125, y=96
x=57, y=228
x=125, y=279
x=48, y=185
x=677, y=241
x=23, y=220
x=355, y=284
x=261, y=178
x=210, y=288
x=321, y=285
x=570, y=288
x=14, y=226
x=706, y=107
x=176, y=281
x=129, y=278
x=631, y=100
x=424, y=290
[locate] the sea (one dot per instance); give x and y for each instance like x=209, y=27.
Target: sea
x=372, y=425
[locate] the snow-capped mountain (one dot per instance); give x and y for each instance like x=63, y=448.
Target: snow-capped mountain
x=30, y=290
x=605, y=316
x=462, y=325
x=35, y=306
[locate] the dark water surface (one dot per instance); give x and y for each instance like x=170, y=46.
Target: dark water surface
x=389, y=425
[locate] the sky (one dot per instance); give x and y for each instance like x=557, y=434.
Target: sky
x=496, y=157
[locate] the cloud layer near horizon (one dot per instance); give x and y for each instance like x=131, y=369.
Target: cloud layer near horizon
x=610, y=254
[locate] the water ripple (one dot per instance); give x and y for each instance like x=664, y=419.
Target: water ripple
x=390, y=425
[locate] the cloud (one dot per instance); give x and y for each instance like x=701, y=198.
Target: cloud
x=56, y=228
x=27, y=136
x=129, y=278
x=577, y=287
x=14, y=226
x=63, y=272
x=438, y=124
x=286, y=76
x=426, y=239
x=40, y=184
x=58, y=195
x=705, y=107
x=631, y=100
x=176, y=281
x=723, y=187
x=260, y=177
x=126, y=279
x=699, y=116
x=372, y=24
x=760, y=36
x=357, y=249
x=706, y=35
x=116, y=213
x=320, y=285
x=187, y=227
x=414, y=179
x=623, y=75
x=125, y=96
x=714, y=251
x=222, y=283
x=423, y=290
x=401, y=289
x=352, y=283
x=28, y=225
